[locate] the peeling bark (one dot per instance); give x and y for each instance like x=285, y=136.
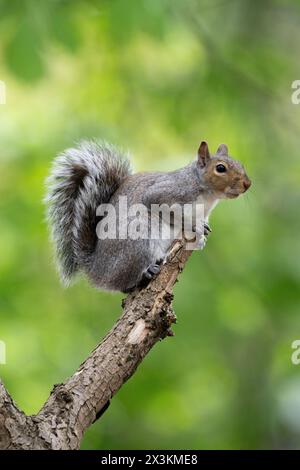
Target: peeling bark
x=75, y=404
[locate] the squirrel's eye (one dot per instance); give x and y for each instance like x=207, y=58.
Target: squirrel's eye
x=221, y=168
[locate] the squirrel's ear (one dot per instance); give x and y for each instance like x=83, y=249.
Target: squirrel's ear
x=223, y=150
x=203, y=154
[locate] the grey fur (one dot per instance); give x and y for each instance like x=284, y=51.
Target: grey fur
x=80, y=180
x=129, y=259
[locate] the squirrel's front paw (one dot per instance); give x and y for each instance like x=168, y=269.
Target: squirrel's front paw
x=201, y=242
x=201, y=238
x=206, y=229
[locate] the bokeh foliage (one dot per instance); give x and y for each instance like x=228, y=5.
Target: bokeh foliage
x=157, y=76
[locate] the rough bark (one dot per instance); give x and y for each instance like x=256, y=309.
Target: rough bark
x=75, y=404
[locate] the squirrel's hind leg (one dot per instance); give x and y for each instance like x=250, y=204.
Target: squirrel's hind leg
x=147, y=275
x=151, y=271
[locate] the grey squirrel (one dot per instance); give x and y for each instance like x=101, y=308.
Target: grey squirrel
x=94, y=173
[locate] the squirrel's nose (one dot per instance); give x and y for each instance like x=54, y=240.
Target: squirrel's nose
x=247, y=184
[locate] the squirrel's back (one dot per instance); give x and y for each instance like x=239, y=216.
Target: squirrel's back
x=81, y=179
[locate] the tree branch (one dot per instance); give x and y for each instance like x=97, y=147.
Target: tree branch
x=74, y=405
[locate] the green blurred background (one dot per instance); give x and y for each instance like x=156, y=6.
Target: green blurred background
x=156, y=77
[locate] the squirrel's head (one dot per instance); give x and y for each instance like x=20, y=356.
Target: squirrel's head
x=222, y=174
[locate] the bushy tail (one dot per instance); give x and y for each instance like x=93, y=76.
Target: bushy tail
x=80, y=180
